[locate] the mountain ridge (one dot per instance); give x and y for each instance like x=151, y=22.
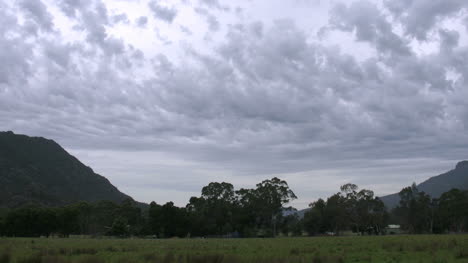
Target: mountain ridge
x=36, y=170
x=437, y=185
x=434, y=186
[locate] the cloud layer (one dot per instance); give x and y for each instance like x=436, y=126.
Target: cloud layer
x=178, y=94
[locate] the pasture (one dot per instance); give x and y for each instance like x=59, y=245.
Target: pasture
x=418, y=248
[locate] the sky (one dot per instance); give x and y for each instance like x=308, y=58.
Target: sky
x=164, y=97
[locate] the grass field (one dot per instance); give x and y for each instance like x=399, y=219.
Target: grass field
x=285, y=250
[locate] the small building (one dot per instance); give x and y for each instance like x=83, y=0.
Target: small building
x=393, y=230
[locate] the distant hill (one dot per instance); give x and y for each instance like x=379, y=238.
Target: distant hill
x=437, y=185
x=38, y=171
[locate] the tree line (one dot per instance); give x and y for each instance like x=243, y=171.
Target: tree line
x=222, y=211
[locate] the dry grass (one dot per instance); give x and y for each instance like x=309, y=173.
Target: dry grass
x=416, y=249
x=5, y=257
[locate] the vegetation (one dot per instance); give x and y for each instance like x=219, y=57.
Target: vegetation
x=206, y=221
x=45, y=191
x=319, y=249
x=359, y=211
x=419, y=213
x=221, y=211
x=437, y=185
x=35, y=170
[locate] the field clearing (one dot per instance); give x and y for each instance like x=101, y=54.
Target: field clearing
x=423, y=248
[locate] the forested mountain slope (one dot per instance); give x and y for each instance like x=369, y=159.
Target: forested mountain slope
x=39, y=171
x=435, y=186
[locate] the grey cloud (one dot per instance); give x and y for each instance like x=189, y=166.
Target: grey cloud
x=239, y=11
x=418, y=17
x=15, y=53
x=37, y=11
x=92, y=17
x=59, y=54
x=186, y=30
x=267, y=99
x=370, y=25
x=94, y=25
x=71, y=7
x=448, y=40
x=163, y=38
x=120, y=18
x=214, y=4
x=142, y=21
x=164, y=13
x=212, y=21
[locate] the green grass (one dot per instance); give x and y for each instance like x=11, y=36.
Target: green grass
x=435, y=249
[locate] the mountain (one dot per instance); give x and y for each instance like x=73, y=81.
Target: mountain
x=38, y=171
x=437, y=185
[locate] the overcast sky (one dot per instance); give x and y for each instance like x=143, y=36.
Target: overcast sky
x=163, y=97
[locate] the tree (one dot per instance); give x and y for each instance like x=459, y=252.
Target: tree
x=132, y=215
x=67, y=221
x=218, y=205
x=453, y=209
x=349, y=202
x=154, y=219
x=415, y=210
x=247, y=217
x=336, y=214
x=315, y=219
x=349, y=209
x=371, y=215
x=272, y=195
x=212, y=213
x=173, y=221
x=119, y=227
x=2, y=222
x=83, y=211
x=291, y=225
x=30, y=222
x=219, y=191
